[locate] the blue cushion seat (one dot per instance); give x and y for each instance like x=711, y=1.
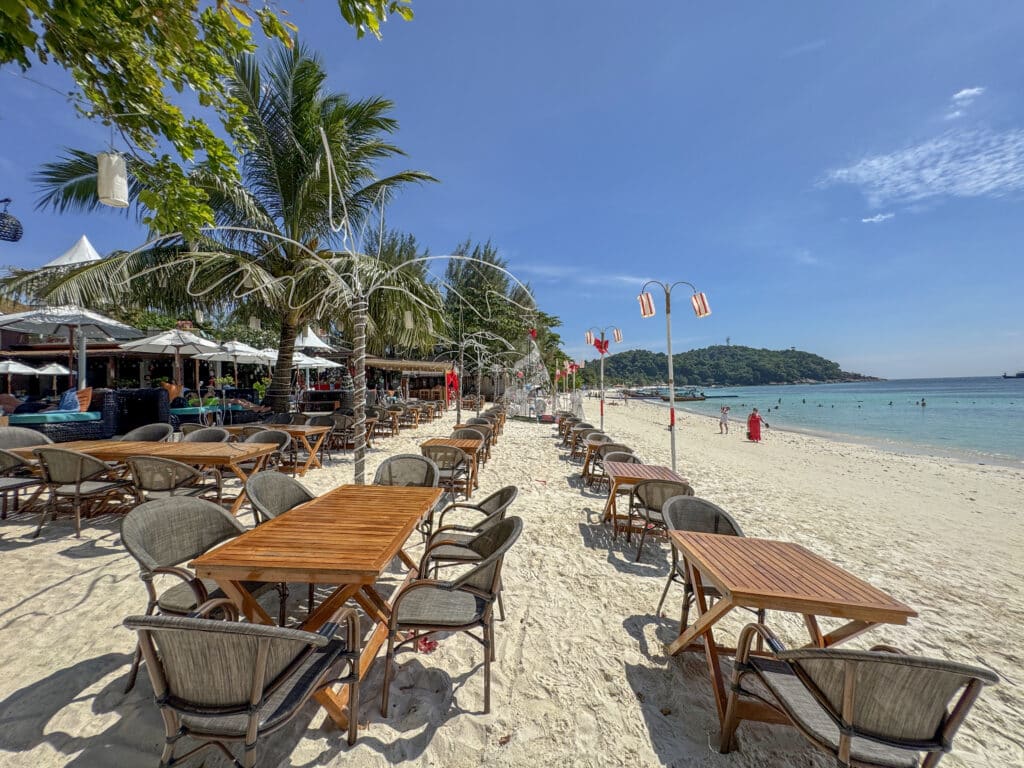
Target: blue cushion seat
x=195, y=410
x=54, y=417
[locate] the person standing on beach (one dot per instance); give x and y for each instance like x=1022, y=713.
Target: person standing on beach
x=723, y=421
x=754, y=426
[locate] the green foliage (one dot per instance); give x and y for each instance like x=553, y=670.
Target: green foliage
x=724, y=365
x=129, y=58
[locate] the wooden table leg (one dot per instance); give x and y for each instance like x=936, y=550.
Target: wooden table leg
x=700, y=626
x=313, y=462
x=817, y=638
x=240, y=474
x=710, y=648
x=846, y=632
x=610, y=508
x=244, y=601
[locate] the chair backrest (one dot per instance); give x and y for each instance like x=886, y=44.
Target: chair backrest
x=278, y=437
x=490, y=545
x=480, y=420
x=581, y=425
x=599, y=437
x=345, y=411
x=279, y=418
x=625, y=458
x=149, y=433
x=167, y=532
x=154, y=473
x=215, y=666
x=207, y=435
x=407, y=469
x=465, y=433
x=189, y=428
x=326, y=420
x=298, y=419
x=652, y=494
x=688, y=513
x=499, y=501
x=61, y=466
x=890, y=697
x=273, y=494
x=343, y=421
x=605, y=448
x=446, y=457
x=251, y=429
x=20, y=437
x=11, y=463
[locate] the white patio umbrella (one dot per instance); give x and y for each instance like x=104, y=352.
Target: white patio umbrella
x=323, y=362
x=309, y=340
x=55, y=370
x=72, y=318
x=11, y=367
x=237, y=352
x=173, y=342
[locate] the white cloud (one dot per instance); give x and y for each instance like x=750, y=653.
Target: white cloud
x=579, y=275
x=805, y=257
x=953, y=115
x=811, y=47
x=878, y=218
x=963, y=164
x=967, y=95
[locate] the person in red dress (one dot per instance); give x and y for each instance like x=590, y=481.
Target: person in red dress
x=754, y=426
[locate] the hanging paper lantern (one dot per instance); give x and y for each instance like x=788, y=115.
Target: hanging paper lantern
x=533, y=334
x=198, y=314
x=10, y=227
x=409, y=325
x=617, y=334
x=583, y=363
x=430, y=326
x=700, y=305
x=254, y=323
x=646, y=304
x=112, y=179
x=589, y=338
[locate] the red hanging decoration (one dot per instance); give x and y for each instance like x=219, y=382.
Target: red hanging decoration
x=533, y=334
x=601, y=346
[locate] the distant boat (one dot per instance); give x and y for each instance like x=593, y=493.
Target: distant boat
x=1018, y=375
x=689, y=395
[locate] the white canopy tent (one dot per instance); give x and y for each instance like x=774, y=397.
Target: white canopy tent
x=80, y=253
x=309, y=340
x=174, y=342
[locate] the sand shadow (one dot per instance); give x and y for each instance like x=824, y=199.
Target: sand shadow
x=622, y=553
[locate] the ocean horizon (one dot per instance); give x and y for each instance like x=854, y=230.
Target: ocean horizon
x=979, y=419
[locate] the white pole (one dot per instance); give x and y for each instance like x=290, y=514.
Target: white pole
x=602, y=382
x=82, y=362
x=671, y=376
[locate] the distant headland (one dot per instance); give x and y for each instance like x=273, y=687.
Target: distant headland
x=722, y=365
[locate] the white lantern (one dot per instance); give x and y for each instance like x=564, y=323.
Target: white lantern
x=200, y=317
x=409, y=325
x=112, y=179
x=254, y=323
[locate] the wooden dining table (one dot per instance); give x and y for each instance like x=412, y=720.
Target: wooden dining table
x=301, y=434
x=345, y=538
x=472, y=447
x=229, y=456
x=775, y=576
x=627, y=473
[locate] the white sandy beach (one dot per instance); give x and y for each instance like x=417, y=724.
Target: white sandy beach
x=581, y=678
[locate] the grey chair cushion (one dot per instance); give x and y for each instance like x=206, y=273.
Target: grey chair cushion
x=775, y=680
x=179, y=598
x=90, y=487
x=281, y=704
x=17, y=483
x=438, y=607
x=188, y=490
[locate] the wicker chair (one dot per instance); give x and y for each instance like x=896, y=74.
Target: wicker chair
x=164, y=534
x=579, y=446
x=279, y=419
x=867, y=709
x=298, y=420
x=688, y=513
x=207, y=435
x=223, y=682
x=424, y=606
x=344, y=431
x=596, y=471
x=568, y=435
x=79, y=477
x=408, y=469
x=284, y=443
x=467, y=433
x=15, y=476
x=272, y=494
x=190, y=427
x=327, y=420
x=149, y=433
x=455, y=469
x=155, y=477
x=250, y=429
x=648, y=498
x=20, y=437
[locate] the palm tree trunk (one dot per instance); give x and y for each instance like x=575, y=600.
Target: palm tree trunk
x=359, y=312
x=281, y=385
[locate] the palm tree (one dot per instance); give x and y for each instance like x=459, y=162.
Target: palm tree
x=268, y=257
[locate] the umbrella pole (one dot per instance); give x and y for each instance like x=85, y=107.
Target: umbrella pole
x=82, y=363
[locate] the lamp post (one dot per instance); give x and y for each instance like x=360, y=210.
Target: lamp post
x=601, y=344
x=701, y=308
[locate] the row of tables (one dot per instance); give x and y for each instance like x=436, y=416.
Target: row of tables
x=764, y=574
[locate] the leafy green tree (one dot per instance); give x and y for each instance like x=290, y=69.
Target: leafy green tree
x=128, y=57
x=276, y=263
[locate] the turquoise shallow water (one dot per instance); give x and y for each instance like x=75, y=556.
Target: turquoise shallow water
x=972, y=418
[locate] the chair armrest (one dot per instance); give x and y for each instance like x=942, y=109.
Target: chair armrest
x=350, y=618
x=747, y=636
x=458, y=505
x=460, y=528
x=222, y=604
x=883, y=648
x=198, y=588
x=431, y=546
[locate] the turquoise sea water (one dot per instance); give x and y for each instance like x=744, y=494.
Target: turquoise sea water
x=972, y=418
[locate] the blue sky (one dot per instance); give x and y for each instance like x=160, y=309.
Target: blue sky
x=846, y=179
